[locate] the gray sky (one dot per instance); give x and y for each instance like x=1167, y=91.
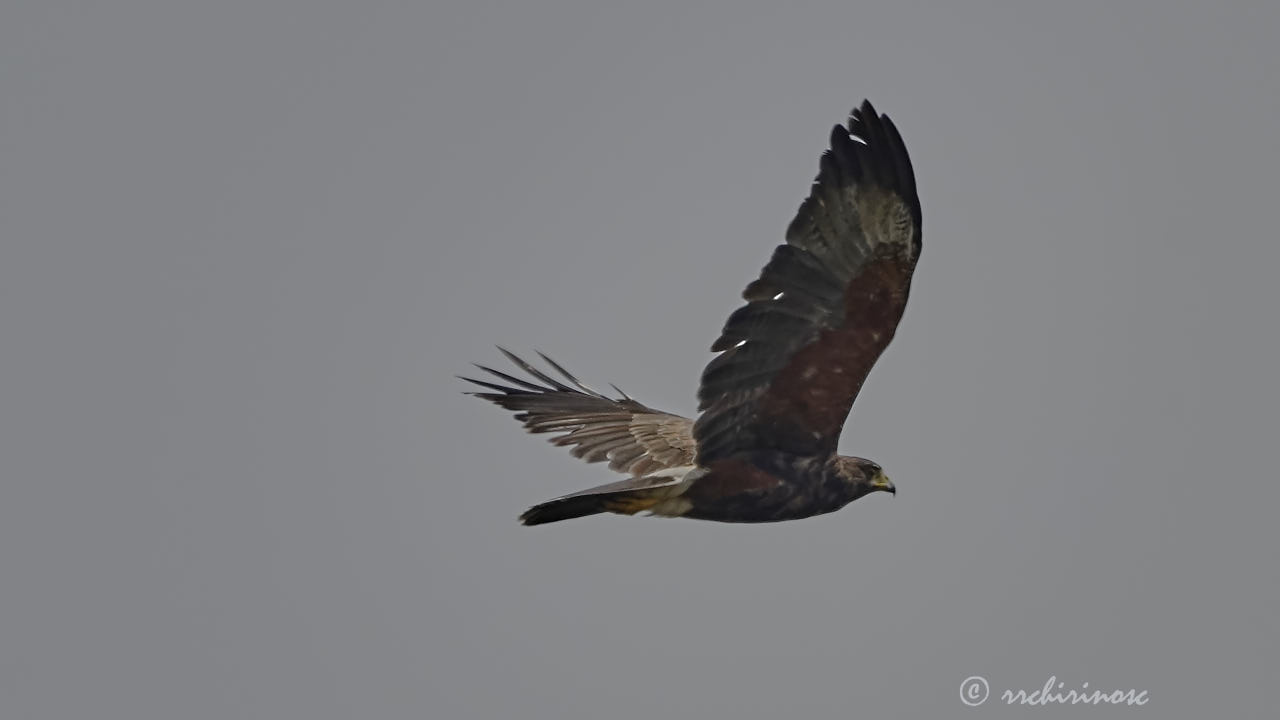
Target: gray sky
x=247, y=245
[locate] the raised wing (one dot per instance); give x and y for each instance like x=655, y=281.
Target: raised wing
x=793, y=359
x=634, y=438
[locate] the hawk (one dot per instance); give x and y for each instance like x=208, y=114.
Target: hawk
x=790, y=363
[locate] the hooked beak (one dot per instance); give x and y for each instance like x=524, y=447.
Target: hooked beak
x=882, y=483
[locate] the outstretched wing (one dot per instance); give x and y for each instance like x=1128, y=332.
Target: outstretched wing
x=793, y=359
x=634, y=438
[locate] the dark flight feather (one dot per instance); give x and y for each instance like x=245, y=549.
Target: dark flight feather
x=826, y=305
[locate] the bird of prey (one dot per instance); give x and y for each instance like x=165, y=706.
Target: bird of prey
x=790, y=363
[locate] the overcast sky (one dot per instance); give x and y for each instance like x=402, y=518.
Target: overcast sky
x=245, y=246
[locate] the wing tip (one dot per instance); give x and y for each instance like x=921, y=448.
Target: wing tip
x=520, y=386
x=870, y=148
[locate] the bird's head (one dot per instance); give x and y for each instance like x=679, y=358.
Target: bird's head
x=862, y=477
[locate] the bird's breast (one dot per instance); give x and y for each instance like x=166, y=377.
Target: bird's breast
x=765, y=487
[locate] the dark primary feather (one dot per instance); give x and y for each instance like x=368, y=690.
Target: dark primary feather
x=825, y=306
x=632, y=437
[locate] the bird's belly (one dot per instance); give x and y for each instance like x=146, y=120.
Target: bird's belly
x=767, y=488
x=784, y=503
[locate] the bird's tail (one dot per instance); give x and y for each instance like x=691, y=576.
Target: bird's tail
x=565, y=508
x=658, y=493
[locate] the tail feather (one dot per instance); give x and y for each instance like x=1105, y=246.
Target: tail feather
x=565, y=508
x=626, y=497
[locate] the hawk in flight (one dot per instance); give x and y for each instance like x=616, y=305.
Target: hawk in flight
x=790, y=363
